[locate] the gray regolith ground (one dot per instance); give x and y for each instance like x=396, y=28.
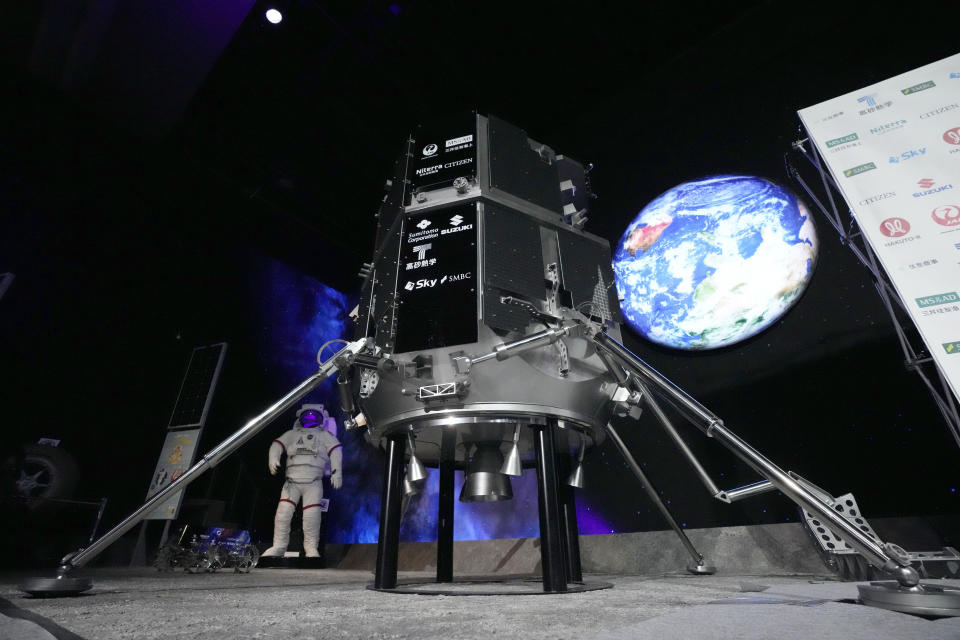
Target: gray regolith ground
x=283, y=603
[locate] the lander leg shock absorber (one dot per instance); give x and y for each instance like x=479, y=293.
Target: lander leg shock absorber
x=904, y=594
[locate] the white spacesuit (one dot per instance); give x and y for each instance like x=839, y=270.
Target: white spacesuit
x=309, y=446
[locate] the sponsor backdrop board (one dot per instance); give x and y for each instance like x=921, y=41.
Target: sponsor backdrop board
x=894, y=150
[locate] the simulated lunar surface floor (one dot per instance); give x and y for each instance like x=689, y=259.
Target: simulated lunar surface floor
x=284, y=603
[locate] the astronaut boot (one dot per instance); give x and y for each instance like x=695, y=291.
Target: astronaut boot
x=281, y=530
x=311, y=532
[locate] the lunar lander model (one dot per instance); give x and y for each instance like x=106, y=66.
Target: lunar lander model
x=488, y=340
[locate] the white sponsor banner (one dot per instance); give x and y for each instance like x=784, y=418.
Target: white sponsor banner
x=176, y=457
x=894, y=150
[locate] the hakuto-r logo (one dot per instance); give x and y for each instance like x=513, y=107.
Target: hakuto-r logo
x=894, y=227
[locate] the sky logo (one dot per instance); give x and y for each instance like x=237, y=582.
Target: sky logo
x=908, y=155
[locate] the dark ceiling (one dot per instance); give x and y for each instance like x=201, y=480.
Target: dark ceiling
x=306, y=116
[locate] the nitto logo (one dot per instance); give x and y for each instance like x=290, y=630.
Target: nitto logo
x=860, y=168
x=423, y=224
x=430, y=149
x=925, y=183
x=952, y=136
x=948, y=215
x=908, y=155
x=894, y=227
x=938, y=299
x=456, y=220
x=918, y=87
x=887, y=127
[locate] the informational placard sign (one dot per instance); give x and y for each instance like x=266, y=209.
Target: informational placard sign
x=191, y=409
x=437, y=285
x=893, y=148
x=176, y=456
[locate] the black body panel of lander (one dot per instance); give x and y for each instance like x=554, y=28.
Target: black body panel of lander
x=478, y=240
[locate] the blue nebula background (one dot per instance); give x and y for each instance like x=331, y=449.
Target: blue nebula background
x=297, y=314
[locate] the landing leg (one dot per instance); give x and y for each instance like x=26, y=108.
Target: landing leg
x=551, y=552
x=697, y=566
x=905, y=594
x=448, y=443
x=388, y=543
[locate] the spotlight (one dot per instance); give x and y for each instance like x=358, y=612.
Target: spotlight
x=273, y=16
x=484, y=482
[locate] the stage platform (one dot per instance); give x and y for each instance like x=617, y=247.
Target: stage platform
x=769, y=584
x=331, y=603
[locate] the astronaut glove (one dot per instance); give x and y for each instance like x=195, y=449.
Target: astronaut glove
x=274, y=466
x=336, y=479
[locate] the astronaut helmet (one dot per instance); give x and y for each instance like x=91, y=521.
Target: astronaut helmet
x=311, y=416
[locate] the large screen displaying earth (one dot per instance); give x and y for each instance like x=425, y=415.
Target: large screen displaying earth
x=714, y=261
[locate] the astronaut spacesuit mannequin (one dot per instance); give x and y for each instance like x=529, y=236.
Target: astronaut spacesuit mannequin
x=308, y=447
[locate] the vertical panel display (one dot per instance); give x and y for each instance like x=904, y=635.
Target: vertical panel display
x=437, y=287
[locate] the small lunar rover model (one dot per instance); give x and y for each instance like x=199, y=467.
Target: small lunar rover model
x=488, y=340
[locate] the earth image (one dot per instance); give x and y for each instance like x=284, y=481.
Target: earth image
x=714, y=261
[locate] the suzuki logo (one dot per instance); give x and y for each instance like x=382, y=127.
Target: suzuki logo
x=925, y=183
x=894, y=227
x=948, y=215
x=456, y=220
x=423, y=224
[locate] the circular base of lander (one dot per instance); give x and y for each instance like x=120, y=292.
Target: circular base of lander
x=507, y=586
x=924, y=600
x=281, y=562
x=55, y=587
